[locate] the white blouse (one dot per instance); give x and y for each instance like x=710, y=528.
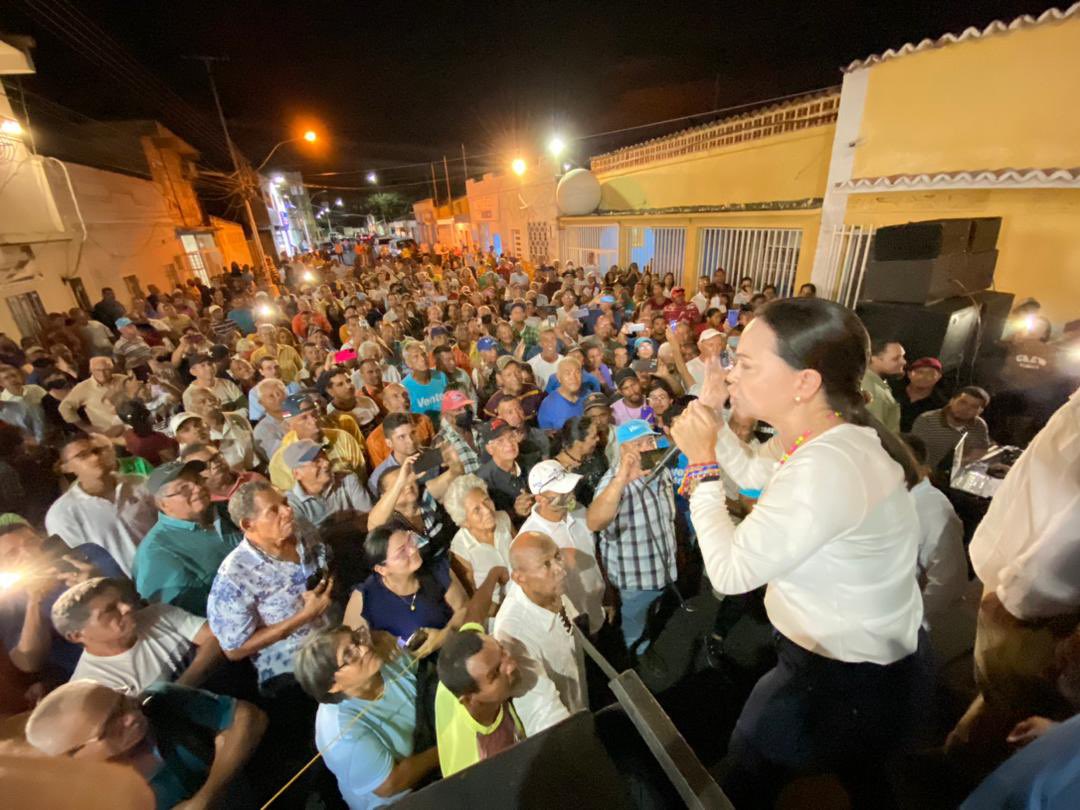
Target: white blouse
x=482, y=557
x=835, y=536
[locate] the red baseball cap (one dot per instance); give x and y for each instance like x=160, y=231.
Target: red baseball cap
x=923, y=362
x=453, y=399
x=678, y=290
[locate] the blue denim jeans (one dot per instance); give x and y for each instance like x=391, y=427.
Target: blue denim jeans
x=635, y=607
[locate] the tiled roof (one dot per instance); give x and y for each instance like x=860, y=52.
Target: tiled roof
x=978, y=178
x=1051, y=15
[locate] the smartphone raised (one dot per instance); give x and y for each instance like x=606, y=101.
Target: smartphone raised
x=429, y=463
x=733, y=318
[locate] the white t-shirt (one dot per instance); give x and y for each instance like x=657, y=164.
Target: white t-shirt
x=482, y=557
x=164, y=649
x=542, y=369
x=942, y=562
x=696, y=367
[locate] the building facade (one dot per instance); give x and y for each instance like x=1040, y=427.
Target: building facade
x=515, y=214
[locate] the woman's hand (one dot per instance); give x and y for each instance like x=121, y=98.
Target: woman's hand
x=435, y=639
x=714, y=390
x=695, y=432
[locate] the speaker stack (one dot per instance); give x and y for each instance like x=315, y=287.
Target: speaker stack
x=927, y=285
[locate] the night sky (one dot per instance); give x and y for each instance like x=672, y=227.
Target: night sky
x=399, y=83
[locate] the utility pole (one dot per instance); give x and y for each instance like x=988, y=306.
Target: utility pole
x=465, y=166
x=434, y=187
x=260, y=257
x=449, y=196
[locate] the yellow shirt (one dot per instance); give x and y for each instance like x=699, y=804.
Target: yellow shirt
x=287, y=358
x=343, y=451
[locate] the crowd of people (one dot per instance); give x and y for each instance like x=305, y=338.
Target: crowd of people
x=376, y=511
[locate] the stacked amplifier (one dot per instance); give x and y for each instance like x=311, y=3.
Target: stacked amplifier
x=927, y=285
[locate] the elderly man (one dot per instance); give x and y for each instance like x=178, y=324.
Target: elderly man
x=505, y=479
x=103, y=507
x=566, y=401
x=179, y=557
x=396, y=400
x=130, y=351
x=555, y=514
x=458, y=428
x=533, y=443
x=302, y=418
x=319, y=492
x=260, y=606
x=204, y=370
x=269, y=369
x=231, y=431
x=287, y=359
x=128, y=648
x=635, y=517
x=535, y=622
x=711, y=344
x=271, y=429
x=90, y=722
x=93, y=395
x=21, y=404
x=480, y=686
x=512, y=386
x=886, y=360
x=941, y=430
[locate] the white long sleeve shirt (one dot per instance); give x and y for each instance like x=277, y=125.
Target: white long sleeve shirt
x=1027, y=548
x=834, y=535
x=942, y=562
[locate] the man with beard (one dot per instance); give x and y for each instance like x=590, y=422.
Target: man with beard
x=633, y=398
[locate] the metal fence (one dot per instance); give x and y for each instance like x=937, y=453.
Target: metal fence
x=767, y=255
x=845, y=261
x=664, y=249
x=585, y=245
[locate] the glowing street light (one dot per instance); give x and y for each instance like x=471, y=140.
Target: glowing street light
x=310, y=136
x=556, y=146
x=9, y=126
x=339, y=202
x=372, y=178
x=279, y=179
x=518, y=166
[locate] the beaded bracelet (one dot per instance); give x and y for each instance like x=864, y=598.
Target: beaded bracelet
x=696, y=473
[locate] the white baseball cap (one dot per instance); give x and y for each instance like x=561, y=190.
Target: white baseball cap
x=551, y=476
x=708, y=334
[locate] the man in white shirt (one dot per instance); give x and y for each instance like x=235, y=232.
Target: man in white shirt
x=554, y=513
x=128, y=649
x=93, y=396
x=710, y=343
x=232, y=431
x=204, y=370
x=103, y=507
x=535, y=622
x=546, y=363
x=1026, y=551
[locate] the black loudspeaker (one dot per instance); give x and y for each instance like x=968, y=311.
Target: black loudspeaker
x=934, y=238
x=563, y=766
x=920, y=281
x=945, y=330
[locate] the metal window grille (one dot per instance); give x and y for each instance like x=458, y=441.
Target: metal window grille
x=515, y=237
x=664, y=249
x=845, y=262
x=590, y=245
x=767, y=255
x=539, y=242
x=28, y=313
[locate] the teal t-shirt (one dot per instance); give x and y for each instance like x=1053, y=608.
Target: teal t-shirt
x=184, y=720
x=425, y=397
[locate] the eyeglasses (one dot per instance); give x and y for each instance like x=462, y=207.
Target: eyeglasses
x=185, y=490
x=359, y=640
x=412, y=542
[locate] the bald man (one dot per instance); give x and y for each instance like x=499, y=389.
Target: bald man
x=86, y=720
x=536, y=620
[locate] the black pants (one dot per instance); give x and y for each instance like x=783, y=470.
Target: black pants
x=813, y=715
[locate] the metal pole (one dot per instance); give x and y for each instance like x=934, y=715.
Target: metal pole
x=260, y=257
x=449, y=196
x=465, y=164
x=434, y=187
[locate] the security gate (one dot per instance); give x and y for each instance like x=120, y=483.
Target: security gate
x=767, y=255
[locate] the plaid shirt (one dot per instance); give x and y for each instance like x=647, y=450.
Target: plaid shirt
x=470, y=459
x=638, y=546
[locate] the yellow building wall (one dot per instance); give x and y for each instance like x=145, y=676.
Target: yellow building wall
x=792, y=166
x=1039, y=244
x=232, y=241
x=1007, y=100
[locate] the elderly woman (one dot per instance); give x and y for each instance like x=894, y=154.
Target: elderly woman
x=483, y=539
x=366, y=721
x=218, y=476
x=232, y=431
x=406, y=593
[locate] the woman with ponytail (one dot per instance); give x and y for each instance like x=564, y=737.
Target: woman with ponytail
x=834, y=535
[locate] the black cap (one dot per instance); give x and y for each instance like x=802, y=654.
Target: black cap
x=596, y=400
x=169, y=472
x=624, y=374
x=490, y=431
x=219, y=352
x=196, y=359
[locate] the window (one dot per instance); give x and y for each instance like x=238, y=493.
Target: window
x=27, y=312
x=79, y=291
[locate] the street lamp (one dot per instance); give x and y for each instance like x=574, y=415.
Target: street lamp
x=556, y=146
x=9, y=126
x=308, y=136
x=339, y=202
x=518, y=166
x=372, y=178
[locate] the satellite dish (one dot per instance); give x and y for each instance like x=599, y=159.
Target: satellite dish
x=578, y=193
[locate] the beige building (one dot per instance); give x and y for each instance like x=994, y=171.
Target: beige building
x=516, y=215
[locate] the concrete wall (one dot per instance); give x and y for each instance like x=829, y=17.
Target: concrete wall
x=500, y=204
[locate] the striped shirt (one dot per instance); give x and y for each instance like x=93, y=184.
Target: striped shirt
x=638, y=546
x=470, y=458
x=941, y=438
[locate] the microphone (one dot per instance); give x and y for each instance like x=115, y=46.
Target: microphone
x=669, y=456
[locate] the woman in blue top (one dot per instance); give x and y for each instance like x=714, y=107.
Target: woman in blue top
x=404, y=593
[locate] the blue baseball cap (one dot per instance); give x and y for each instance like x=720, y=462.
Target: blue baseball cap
x=297, y=404
x=486, y=343
x=122, y=322
x=607, y=299
x=634, y=429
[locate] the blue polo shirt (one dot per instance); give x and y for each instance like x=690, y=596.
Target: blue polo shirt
x=426, y=397
x=556, y=410
x=243, y=319
x=177, y=560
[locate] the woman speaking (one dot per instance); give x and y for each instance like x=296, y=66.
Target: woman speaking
x=834, y=536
